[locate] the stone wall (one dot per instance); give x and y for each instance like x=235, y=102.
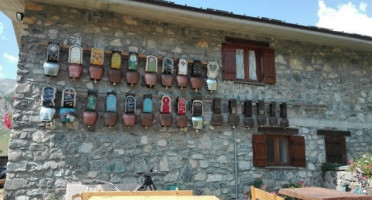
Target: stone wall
x=327, y=86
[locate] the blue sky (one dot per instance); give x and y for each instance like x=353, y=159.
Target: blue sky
x=353, y=16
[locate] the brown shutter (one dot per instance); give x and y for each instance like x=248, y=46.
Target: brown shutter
x=228, y=62
x=298, y=151
x=335, y=149
x=268, y=63
x=259, y=150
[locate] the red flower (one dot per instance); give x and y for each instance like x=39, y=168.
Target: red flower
x=7, y=120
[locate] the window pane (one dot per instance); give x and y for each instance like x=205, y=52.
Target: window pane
x=270, y=150
x=283, y=142
x=240, y=64
x=252, y=65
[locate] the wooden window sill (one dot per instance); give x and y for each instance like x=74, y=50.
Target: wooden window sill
x=249, y=82
x=282, y=167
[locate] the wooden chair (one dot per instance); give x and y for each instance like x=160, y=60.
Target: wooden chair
x=263, y=195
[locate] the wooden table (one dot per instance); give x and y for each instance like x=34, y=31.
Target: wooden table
x=145, y=195
x=316, y=193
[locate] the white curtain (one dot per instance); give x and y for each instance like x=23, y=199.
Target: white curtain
x=240, y=64
x=252, y=65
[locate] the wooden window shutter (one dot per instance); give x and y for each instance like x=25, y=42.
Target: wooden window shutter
x=298, y=151
x=335, y=149
x=259, y=150
x=228, y=61
x=268, y=63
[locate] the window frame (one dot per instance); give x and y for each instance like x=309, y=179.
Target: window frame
x=257, y=51
x=265, y=62
x=335, y=140
x=333, y=134
x=277, y=150
x=296, y=152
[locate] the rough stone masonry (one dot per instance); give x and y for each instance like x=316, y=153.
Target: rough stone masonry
x=332, y=86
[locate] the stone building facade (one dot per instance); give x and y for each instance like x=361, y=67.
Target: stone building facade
x=324, y=86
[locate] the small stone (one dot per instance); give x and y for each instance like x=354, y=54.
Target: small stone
x=86, y=148
x=29, y=20
x=244, y=165
x=92, y=174
x=129, y=20
x=227, y=133
x=327, y=68
x=144, y=140
x=332, y=75
x=337, y=97
x=133, y=49
x=177, y=50
x=119, y=34
x=38, y=136
x=33, y=6
x=147, y=148
x=23, y=88
x=201, y=176
x=198, y=156
x=336, y=50
x=55, y=18
x=203, y=164
x=90, y=85
x=309, y=68
x=311, y=166
x=214, y=177
x=16, y=183
x=159, y=29
x=295, y=64
x=171, y=177
x=22, y=198
x=119, y=152
x=164, y=165
x=279, y=59
x=60, y=183
x=222, y=159
x=116, y=43
x=17, y=166
x=203, y=44
x=357, y=73
x=187, y=174
x=53, y=34
x=61, y=83
x=302, y=174
x=162, y=142
x=151, y=44
x=193, y=163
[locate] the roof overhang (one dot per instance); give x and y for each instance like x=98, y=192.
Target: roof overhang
x=205, y=18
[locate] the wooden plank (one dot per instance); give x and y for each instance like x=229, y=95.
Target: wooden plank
x=261, y=194
x=152, y=198
x=143, y=193
x=328, y=132
x=316, y=193
x=278, y=130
